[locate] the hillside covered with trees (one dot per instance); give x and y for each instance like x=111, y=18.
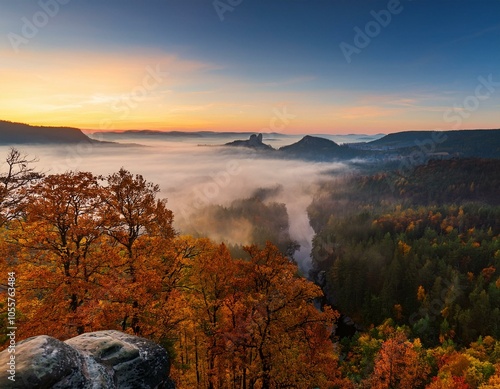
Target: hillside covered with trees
x=420, y=278
x=418, y=251
x=93, y=253
x=20, y=133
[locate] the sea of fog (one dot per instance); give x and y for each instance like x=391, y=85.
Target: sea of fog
x=192, y=176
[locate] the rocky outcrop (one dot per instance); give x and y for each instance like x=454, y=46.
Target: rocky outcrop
x=96, y=360
x=254, y=142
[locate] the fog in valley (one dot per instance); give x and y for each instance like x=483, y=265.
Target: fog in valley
x=196, y=179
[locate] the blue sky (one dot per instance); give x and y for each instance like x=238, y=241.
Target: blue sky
x=87, y=60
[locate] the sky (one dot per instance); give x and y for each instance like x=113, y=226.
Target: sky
x=289, y=66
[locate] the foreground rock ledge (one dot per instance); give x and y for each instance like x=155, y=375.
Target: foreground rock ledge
x=95, y=360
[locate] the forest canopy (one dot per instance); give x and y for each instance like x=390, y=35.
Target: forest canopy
x=419, y=278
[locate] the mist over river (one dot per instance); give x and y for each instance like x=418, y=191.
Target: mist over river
x=194, y=172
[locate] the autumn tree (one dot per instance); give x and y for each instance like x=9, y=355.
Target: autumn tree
x=17, y=175
x=133, y=211
x=468, y=367
x=399, y=364
x=162, y=291
x=62, y=259
x=282, y=321
x=494, y=380
x=254, y=324
x=210, y=280
x=134, y=217
x=95, y=255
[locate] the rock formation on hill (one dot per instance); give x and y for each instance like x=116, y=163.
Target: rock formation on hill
x=254, y=142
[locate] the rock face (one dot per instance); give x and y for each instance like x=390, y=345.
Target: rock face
x=96, y=360
x=254, y=142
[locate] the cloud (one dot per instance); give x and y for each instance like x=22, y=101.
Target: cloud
x=193, y=177
x=476, y=34
x=364, y=112
x=86, y=84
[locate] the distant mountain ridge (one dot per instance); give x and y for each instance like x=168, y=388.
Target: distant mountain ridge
x=19, y=133
x=461, y=143
x=310, y=143
x=405, y=144
x=116, y=135
x=318, y=149
x=309, y=147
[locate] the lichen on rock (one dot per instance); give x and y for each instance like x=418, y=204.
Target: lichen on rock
x=95, y=360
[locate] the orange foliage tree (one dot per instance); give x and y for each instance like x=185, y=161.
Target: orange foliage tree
x=91, y=254
x=140, y=225
x=399, y=364
x=95, y=253
x=254, y=324
x=62, y=265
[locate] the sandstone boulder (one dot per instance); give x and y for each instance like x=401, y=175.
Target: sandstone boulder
x=96, y=360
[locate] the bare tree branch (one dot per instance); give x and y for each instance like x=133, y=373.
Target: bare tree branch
x=14, y=182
